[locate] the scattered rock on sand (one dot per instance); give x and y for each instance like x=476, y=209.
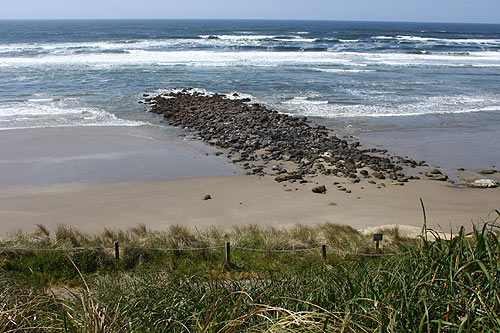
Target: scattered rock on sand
x=282, y=178
x=319, y=189
x=483, y=183
x=487, y=172
x=207, y=197
x=440, y=177
x=436, y=172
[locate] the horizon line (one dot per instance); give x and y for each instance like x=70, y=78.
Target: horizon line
x=240, y=19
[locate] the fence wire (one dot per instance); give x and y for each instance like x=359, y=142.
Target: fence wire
x=173, y=249
x=278, y=250
x=69, y=249
x=76, y=249
x=368, y=254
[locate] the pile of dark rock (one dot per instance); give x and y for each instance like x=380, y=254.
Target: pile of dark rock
x=253, y=134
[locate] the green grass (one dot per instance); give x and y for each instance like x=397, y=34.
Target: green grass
x=138, y=254
x=437, y=285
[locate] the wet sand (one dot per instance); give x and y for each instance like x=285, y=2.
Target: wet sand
x=111, y=154
x=446, y=149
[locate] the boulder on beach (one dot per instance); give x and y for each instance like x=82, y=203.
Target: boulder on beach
x=319, y=189
x=436, y=172
x=440, y=177
x=483, y=183
x=487, y=172
x=282, y=178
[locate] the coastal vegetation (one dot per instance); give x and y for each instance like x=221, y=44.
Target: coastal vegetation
x=277, y=280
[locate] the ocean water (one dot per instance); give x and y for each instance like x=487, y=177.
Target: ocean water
x=430, y=91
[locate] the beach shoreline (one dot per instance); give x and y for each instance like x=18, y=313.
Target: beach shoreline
x=120, y=177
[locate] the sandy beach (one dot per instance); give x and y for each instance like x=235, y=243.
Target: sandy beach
x=239, y=200
x=118, y=177
x=188, y=173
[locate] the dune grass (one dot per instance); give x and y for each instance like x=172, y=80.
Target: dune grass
x=94, y=254
x=437, y=285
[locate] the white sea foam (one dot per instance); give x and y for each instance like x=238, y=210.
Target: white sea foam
x=302, y=40
x=240, y=95
x=296, y=39
x=472, y=59
x=189, y=58
x=343, y=70
x=132, y=56
x=124, y=45
x=438, y=105
x=258, y=38
x=383, y=37
x=74, y=47
x=41, y=113
x=41, y=100
x=238, y=37
x=440, y=40
x=206, y=40
x=231, y=95
x=189, y=91
x=255, y=59
x=299, y=100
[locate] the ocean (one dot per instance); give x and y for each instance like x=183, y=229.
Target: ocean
x=425, y=90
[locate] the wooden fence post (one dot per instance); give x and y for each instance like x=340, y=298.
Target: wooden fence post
x=377, y=238
x=228, y=253
x=323, y=252
x=117, y=251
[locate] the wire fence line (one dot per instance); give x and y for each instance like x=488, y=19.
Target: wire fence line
x=277, y=250
x=65, y=249
x=81, y=249
x=370, y=254
x=174, y=249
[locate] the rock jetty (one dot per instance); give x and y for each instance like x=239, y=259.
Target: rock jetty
x=255, y=137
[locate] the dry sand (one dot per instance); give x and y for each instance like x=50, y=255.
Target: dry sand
x=239, y=200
